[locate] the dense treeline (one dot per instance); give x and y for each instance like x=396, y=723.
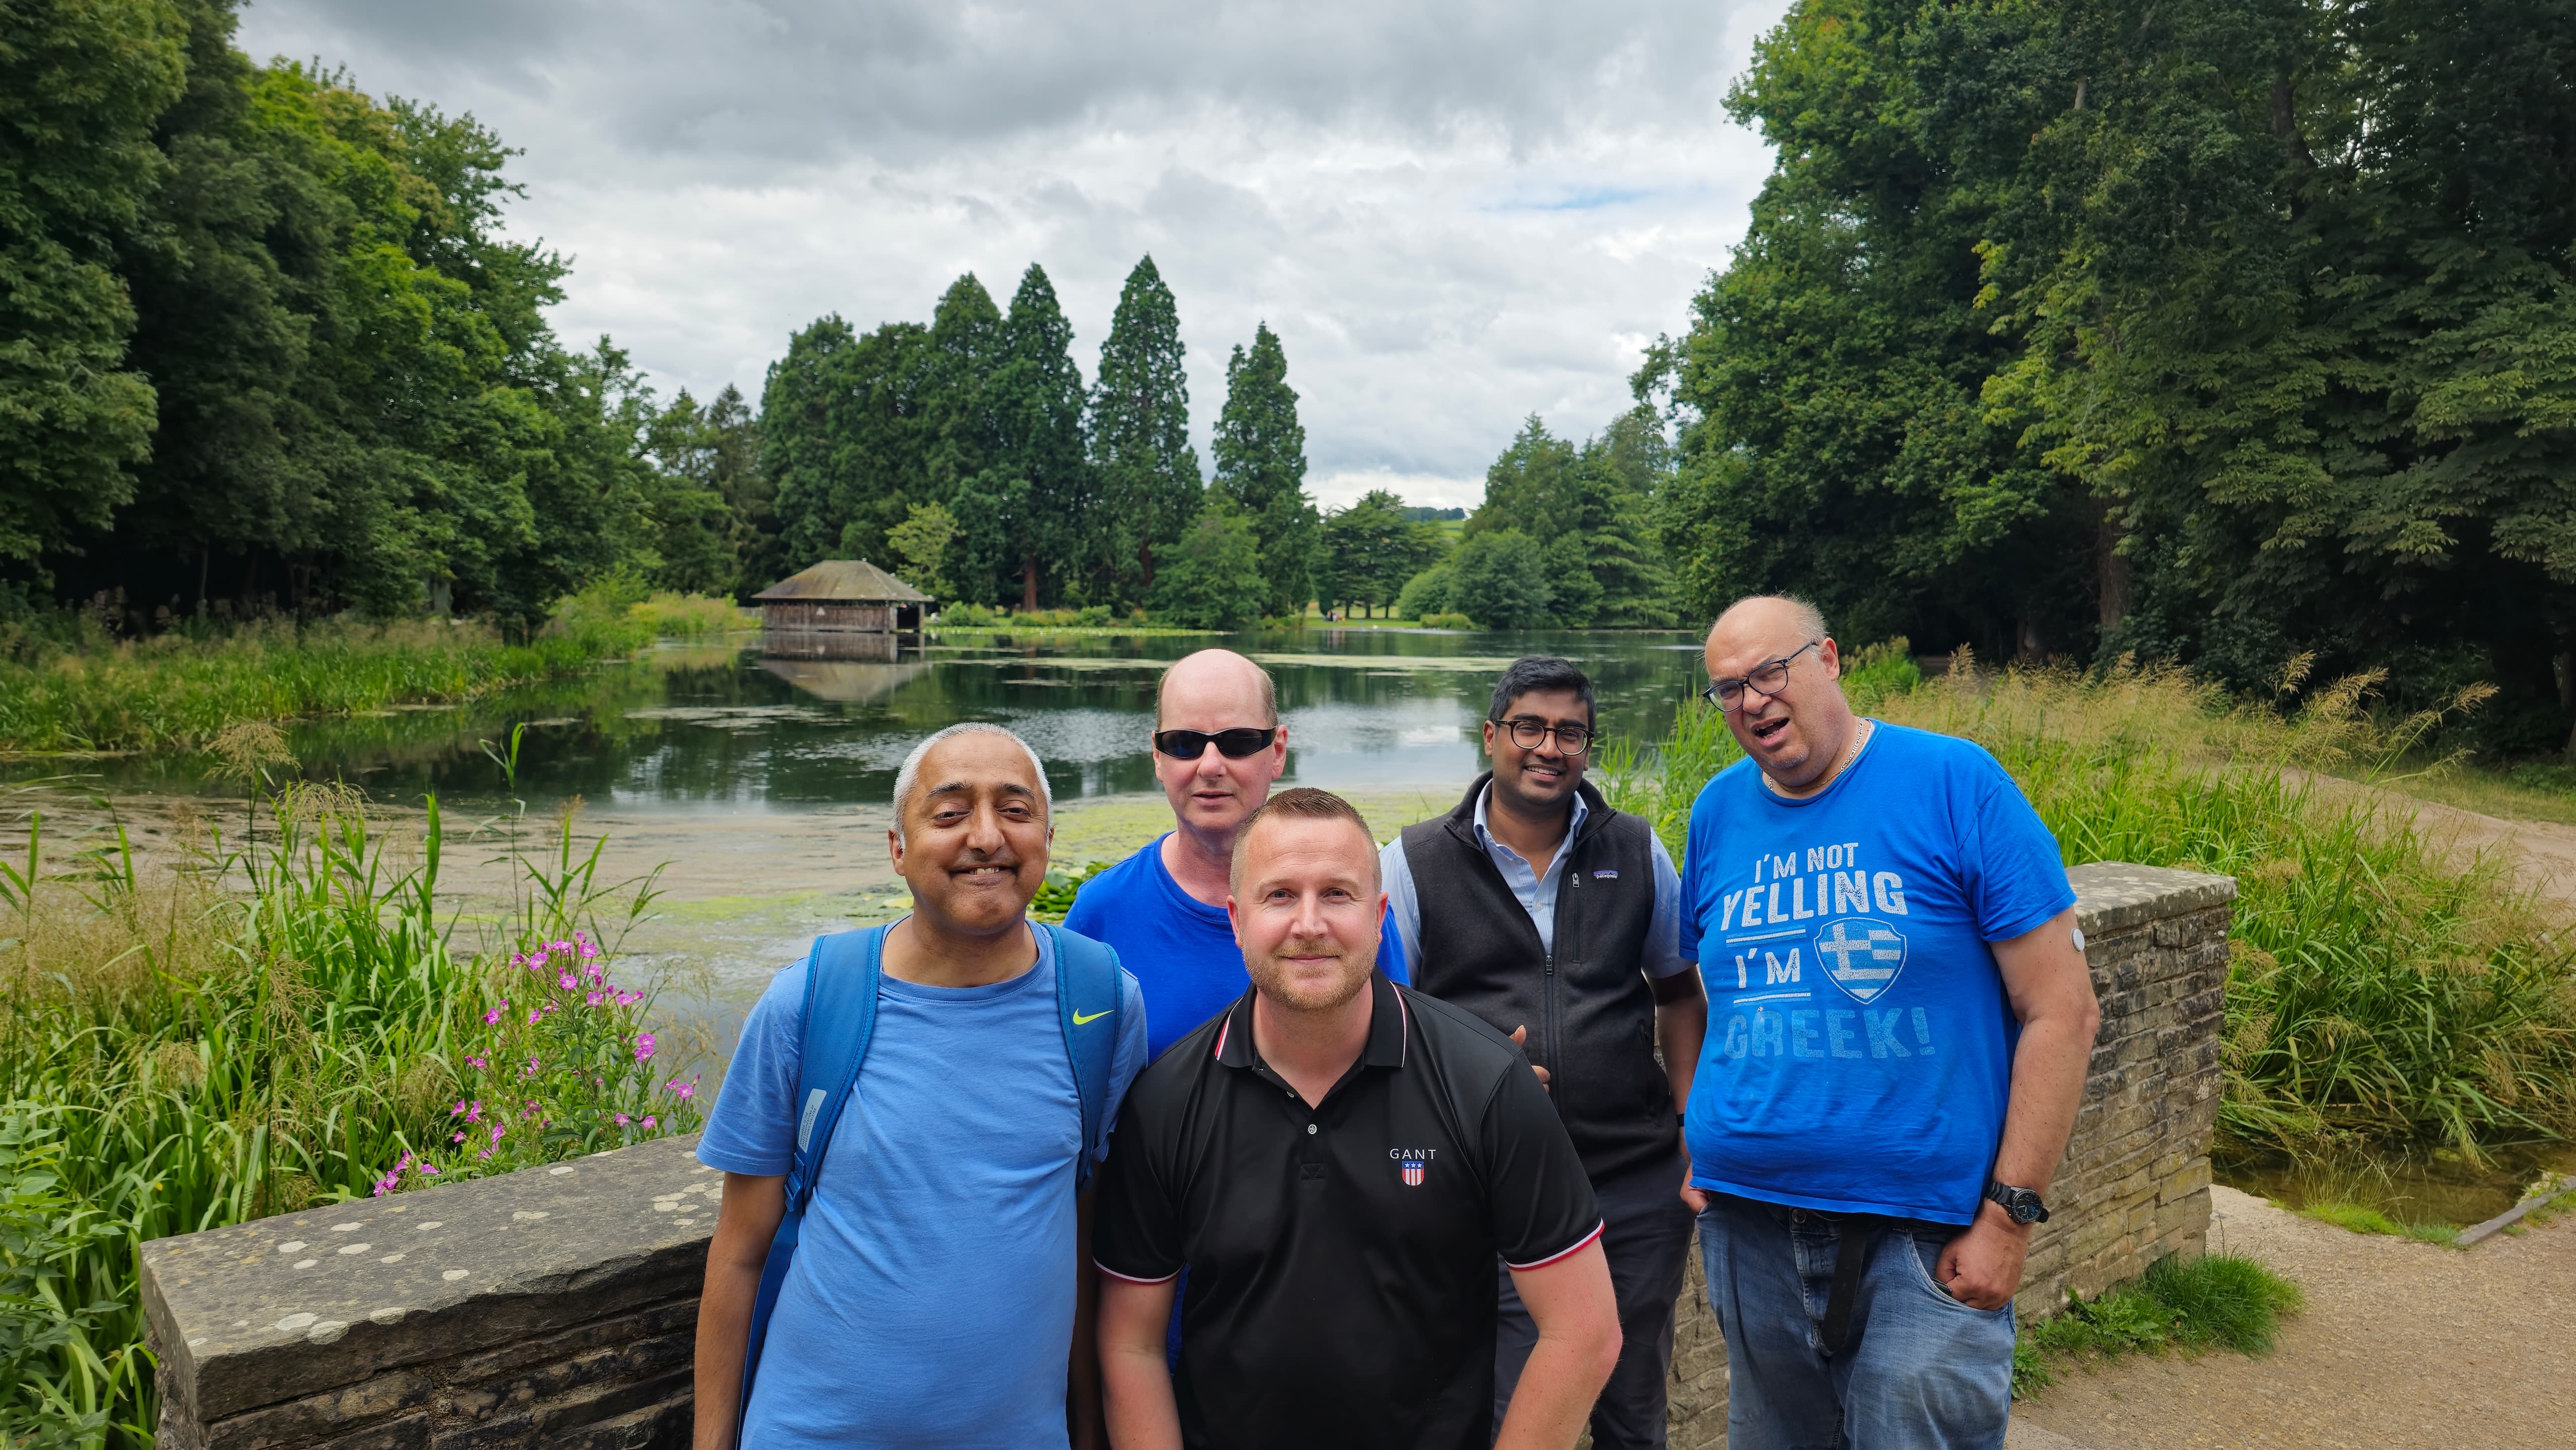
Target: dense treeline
x=971, y=453
x=2219, y=330
x=260, y=343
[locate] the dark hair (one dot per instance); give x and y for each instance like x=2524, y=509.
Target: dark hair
x=1305, y=803
x=1533, y=673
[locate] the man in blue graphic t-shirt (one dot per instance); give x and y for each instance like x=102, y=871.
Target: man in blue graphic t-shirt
x=938, y=1291
x=1217, y=745
x=1899, y=1021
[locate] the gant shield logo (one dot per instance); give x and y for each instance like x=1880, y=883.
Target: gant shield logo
x=1413, y=1172
x=1861, y=956
x=1413, y=1163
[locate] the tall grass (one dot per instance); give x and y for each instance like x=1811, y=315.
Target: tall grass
x=2382, y=994
x=179, y=690
x=179, y=1053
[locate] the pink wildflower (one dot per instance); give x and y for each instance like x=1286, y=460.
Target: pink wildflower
x=593, y=999
x=622, y=1120
x=534, y=1016
x=567, y=981
x=648, y=1122
x=476, y=1062
x=456, y=1137
x=536, y=959
x=681, y=1090
x=427, y=1170
x=643, y=1046
x=493, y=1017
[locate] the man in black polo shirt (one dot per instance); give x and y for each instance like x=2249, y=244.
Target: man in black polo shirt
x=1338, y=1161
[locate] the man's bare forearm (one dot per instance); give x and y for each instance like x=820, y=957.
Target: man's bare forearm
x=1135, y=1379
x=2047, y=1091
x=746, y=1221
x=1681, y=1029
x=1577, y=1315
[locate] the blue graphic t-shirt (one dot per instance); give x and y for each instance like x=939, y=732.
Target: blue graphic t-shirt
x=931, y=1298
x=1860, y=1047
x=1181, y=949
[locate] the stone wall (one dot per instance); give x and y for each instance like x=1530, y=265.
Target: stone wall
x=2135, y=1184
x=556, y=1306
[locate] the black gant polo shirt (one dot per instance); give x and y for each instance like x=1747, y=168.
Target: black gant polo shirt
x=1341, y=1258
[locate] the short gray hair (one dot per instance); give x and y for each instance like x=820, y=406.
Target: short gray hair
x=909, y=777
x=1809, y=619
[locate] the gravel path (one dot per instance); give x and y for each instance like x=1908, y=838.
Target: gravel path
x=2402, y=1345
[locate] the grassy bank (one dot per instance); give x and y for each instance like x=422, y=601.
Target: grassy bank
x=2217, y=1301
x=180, y=689
x=177, y=1054
x=2381, y=998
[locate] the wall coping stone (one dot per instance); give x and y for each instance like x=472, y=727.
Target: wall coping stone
x=284, y=1307
x=2113, y=895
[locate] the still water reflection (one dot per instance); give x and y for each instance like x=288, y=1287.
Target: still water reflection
x=701, y=729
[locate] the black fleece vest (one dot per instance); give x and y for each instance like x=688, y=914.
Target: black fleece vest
x=1588, y=1007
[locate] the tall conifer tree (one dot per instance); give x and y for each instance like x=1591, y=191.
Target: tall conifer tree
x=1261, y=469
x=1140, y=433
x=1044, y=477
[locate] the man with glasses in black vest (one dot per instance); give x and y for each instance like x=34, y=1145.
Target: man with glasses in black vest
x=1557, y=920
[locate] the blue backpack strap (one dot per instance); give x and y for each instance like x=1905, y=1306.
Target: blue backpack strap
x=840, y=1014
x=1086, y=998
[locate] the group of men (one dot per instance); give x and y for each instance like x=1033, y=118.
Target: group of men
x=1288, y=1139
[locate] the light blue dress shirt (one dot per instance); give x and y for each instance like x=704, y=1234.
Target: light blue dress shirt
x=1536, y=892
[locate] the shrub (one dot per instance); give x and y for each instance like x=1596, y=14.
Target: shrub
x=689, y=616
x=1446, y=621
x=1210, y=578
x=1500, y=579
x=968, y=616
x=1426, y=593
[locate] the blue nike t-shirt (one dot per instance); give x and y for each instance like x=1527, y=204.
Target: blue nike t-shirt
x=1181, y=949
x=931, y=1298
x=1859, y=1051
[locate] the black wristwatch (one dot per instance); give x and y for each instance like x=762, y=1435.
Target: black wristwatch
x=2024, y=1205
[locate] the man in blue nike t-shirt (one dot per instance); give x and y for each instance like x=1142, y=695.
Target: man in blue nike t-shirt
x=1217, y=745
x=1899, y=1021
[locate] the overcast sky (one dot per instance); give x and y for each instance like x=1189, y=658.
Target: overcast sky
x=1454, y=215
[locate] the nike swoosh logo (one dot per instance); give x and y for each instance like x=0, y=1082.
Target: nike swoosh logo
x=1079, y=1019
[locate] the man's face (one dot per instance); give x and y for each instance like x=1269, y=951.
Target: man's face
x=974, y=841
x=1541, y=777
x=1306, y=908
x=1213, y=794
x=1770, y=727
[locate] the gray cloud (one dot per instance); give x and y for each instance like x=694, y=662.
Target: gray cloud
x=1454, y=215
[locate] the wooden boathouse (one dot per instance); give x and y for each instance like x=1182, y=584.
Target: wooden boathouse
x=838, y=609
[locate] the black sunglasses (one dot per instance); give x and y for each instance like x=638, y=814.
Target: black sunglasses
x=1233, y=744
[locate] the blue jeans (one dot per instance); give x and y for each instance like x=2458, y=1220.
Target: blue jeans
x=1918, y=1370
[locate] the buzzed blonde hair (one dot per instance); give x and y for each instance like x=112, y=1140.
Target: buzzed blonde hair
x=1304, y=803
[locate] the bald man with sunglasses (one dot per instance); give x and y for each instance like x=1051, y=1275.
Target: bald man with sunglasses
x=1218, y=746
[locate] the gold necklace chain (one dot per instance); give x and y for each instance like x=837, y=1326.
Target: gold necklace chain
x=1851, y=752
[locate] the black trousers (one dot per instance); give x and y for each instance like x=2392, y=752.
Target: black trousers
x=1646, y=1234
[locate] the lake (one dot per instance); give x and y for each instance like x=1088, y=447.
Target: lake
x=724, y=730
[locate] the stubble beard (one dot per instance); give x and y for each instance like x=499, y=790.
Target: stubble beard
x=1284, y=989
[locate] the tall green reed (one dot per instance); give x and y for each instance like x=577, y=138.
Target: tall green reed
x=2385, y=993
x=180, y=690
x=268, y=1027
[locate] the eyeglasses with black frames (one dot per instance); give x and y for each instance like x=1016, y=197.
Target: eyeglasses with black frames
x=1527, y=732
x=1768, y=678
x=1233, y=744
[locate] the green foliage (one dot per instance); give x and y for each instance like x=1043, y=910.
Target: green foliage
x=1261, y=469
x=1032, y=502
x=922, y=541
x=2358, y=1218
x=1427, y=593
x=1140, y=437
x=81, y=82
x=1501, y=580
x=1055, y=894
x=2220, y=1300
x=175, y=691
x=970, y=616
x=1445, y=621
x=176, y=1054
x=708, y=500
x=1210, y=578
x=1370, y=550
x=1591, y=506
x=688, y=616
x=2211, y=331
